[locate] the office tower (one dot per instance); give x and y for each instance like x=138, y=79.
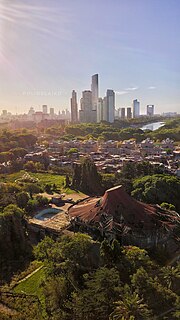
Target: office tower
x=136, y=108
x=150, y=110
x=95, y=96
x=74, y=108
x=119, y=112
x=105, y=112
x=110, y=105
x=51, y=112
x=44, y=109
x=100, y=110
x=116, y=113
x=68, y=115
x=129, y=114
x=95, y=91
x=122, y=113
x=86, y=113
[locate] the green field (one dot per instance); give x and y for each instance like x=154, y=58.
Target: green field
x=32, y=284
x=44, y=178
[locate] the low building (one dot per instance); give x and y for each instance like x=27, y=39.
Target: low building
x=118, y=215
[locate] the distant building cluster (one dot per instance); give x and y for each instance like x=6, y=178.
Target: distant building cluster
x=36, y=117
x=91, y=109
x=96, y=109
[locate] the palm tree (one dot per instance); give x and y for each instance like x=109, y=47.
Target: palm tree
x=130, y=307
x=170, y=275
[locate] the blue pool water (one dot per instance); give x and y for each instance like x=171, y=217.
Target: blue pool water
x=46, y=214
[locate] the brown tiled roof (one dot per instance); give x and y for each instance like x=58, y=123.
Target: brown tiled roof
x=116, y=207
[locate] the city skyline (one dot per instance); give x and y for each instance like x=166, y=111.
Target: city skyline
x=50, y=48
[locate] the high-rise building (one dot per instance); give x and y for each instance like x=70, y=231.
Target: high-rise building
x=150, y=110
x=123, y=113
x=86, y=107
x=44, y=109
x=100, y=110
x=129, y=113
x=104, y=111
x=51, y=112
x=136, y=108
x=74, y=108
x=95, y=91
x=95, y=95
x=110, y=105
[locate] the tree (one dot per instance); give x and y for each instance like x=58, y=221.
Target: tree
x=157, y=188
x=48, y=188
x=42, y=201
x=158, y=298
x=96, y=300
x=110, y=254
x=32, y=188
x=6, y=156
x=22, y=199
x=72, y=150
x=171, y=276
x=67, y=181
x=19, y=152
x=131, y=306
x=86, y=178
x=42, y=251
x=30, y=166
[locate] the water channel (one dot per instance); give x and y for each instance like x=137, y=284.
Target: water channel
x=152, y=126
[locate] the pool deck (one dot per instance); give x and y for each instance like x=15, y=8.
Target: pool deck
x=59, y=221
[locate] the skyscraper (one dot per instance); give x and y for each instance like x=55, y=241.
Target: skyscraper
x=123, y=113
x=100, y=110
x=51, y=112
x=129, y=114
x=95, y=95
x=105, y=111
x=110, y=105
x=136, y=108
x=86, y=107
x=44, y=109
x=150, y=110
x=74, y=108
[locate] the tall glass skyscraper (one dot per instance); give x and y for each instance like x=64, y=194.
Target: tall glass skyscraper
x=95, y=95
x=110, y=105
x=74, y=108
x=136, y=108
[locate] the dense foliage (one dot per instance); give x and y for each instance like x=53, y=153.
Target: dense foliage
x=86, y=280
x=86, y=178
x=158, y=189
x=16, y=141
x=14, y=244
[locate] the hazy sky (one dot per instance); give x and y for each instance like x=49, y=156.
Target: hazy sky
x=49, y=47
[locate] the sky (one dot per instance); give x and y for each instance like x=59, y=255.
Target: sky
x=50, y=47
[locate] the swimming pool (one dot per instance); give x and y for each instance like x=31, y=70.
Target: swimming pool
x=47, y=214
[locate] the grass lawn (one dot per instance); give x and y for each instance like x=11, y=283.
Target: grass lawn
x=32, y=284
x=44, y=178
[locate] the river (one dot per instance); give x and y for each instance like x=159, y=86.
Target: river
x=152, y=126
